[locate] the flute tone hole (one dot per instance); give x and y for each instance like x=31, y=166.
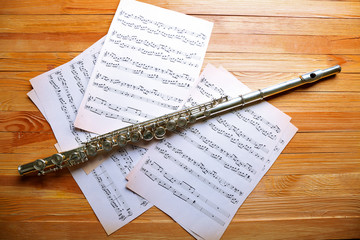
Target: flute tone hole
x=312, y=75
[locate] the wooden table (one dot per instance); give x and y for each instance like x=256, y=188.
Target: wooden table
x=312, y=190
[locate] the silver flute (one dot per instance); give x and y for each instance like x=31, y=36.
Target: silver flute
x=157, y=127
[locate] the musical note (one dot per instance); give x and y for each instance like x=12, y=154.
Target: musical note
x=262, y=119
x=149, y=61
x=211, y=166
x=59, y=90
x=114, y=196
x=162, y=55
x=181, y=195
x=120, y=38
x=143, y=66
x=100, y=112
x=203, y=169
x=257, y=126
x=134, y=96
x=162, y=25
x=139, y=88
x=180, y=35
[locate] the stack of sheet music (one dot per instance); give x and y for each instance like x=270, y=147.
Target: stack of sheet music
x=147, y=66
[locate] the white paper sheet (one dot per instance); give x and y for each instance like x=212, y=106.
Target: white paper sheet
x=60, y=92
x=35, y=99
x=57, y=94
x=202, y=175
x=152, y=56
x=104, y=188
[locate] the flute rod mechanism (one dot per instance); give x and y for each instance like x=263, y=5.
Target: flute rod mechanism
x=157, y=127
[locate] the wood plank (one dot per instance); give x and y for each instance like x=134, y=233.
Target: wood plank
x=316, y=101
x=219, y=42
x=26, y=142
x=326, y=121
x=286, y=164
x=289, y=207
x=32, y=63
x=264, y=229
x=318, y=163
x=340, y=83
x=32, y=42
x=304, y=228
x=254, y=43
x=323, y=9
x=313, y=184
x=312, y=190
x=286, y=102
x=34, y=121
x=348, y=27
x=289, y=63
x=284, y=25
x=243, y=64
x=302, y=186
x=16, y=101
x=23, y=122
x=303, y=142
x=56, y=23
x=285, y=197
x=336, y=142
x=19, y=81
x=254, y=209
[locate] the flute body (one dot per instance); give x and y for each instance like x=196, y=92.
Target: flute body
x=157, y=127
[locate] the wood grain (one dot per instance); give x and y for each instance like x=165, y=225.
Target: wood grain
x=308, y=8
x=311, y=192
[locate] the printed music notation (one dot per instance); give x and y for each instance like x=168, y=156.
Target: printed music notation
x=119, y=38
x=158, y=51
x=117, y=108
x=132, y=95
x=162, y=29
x=107, y=114
x=60, y=91
x=77, y=78
x=262, y=119
x=161, y=54
x=221, y=160
x=114, y=196
x=165, y=76
x=105, y=189
x=61, y=82
x=192, y=201
x=256, y=124
x=141, y=89
x=198, y=174
x=236, y=141
x=148, y=76
x=125, y=162
x=162, y=25
x=210, y=86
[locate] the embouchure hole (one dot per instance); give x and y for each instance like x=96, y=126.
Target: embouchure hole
x=312, y=75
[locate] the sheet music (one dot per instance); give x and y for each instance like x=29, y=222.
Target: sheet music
x=60, y=92
x=150, y=59
x=57, y=94
x=202, y=175
x=105, y=190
